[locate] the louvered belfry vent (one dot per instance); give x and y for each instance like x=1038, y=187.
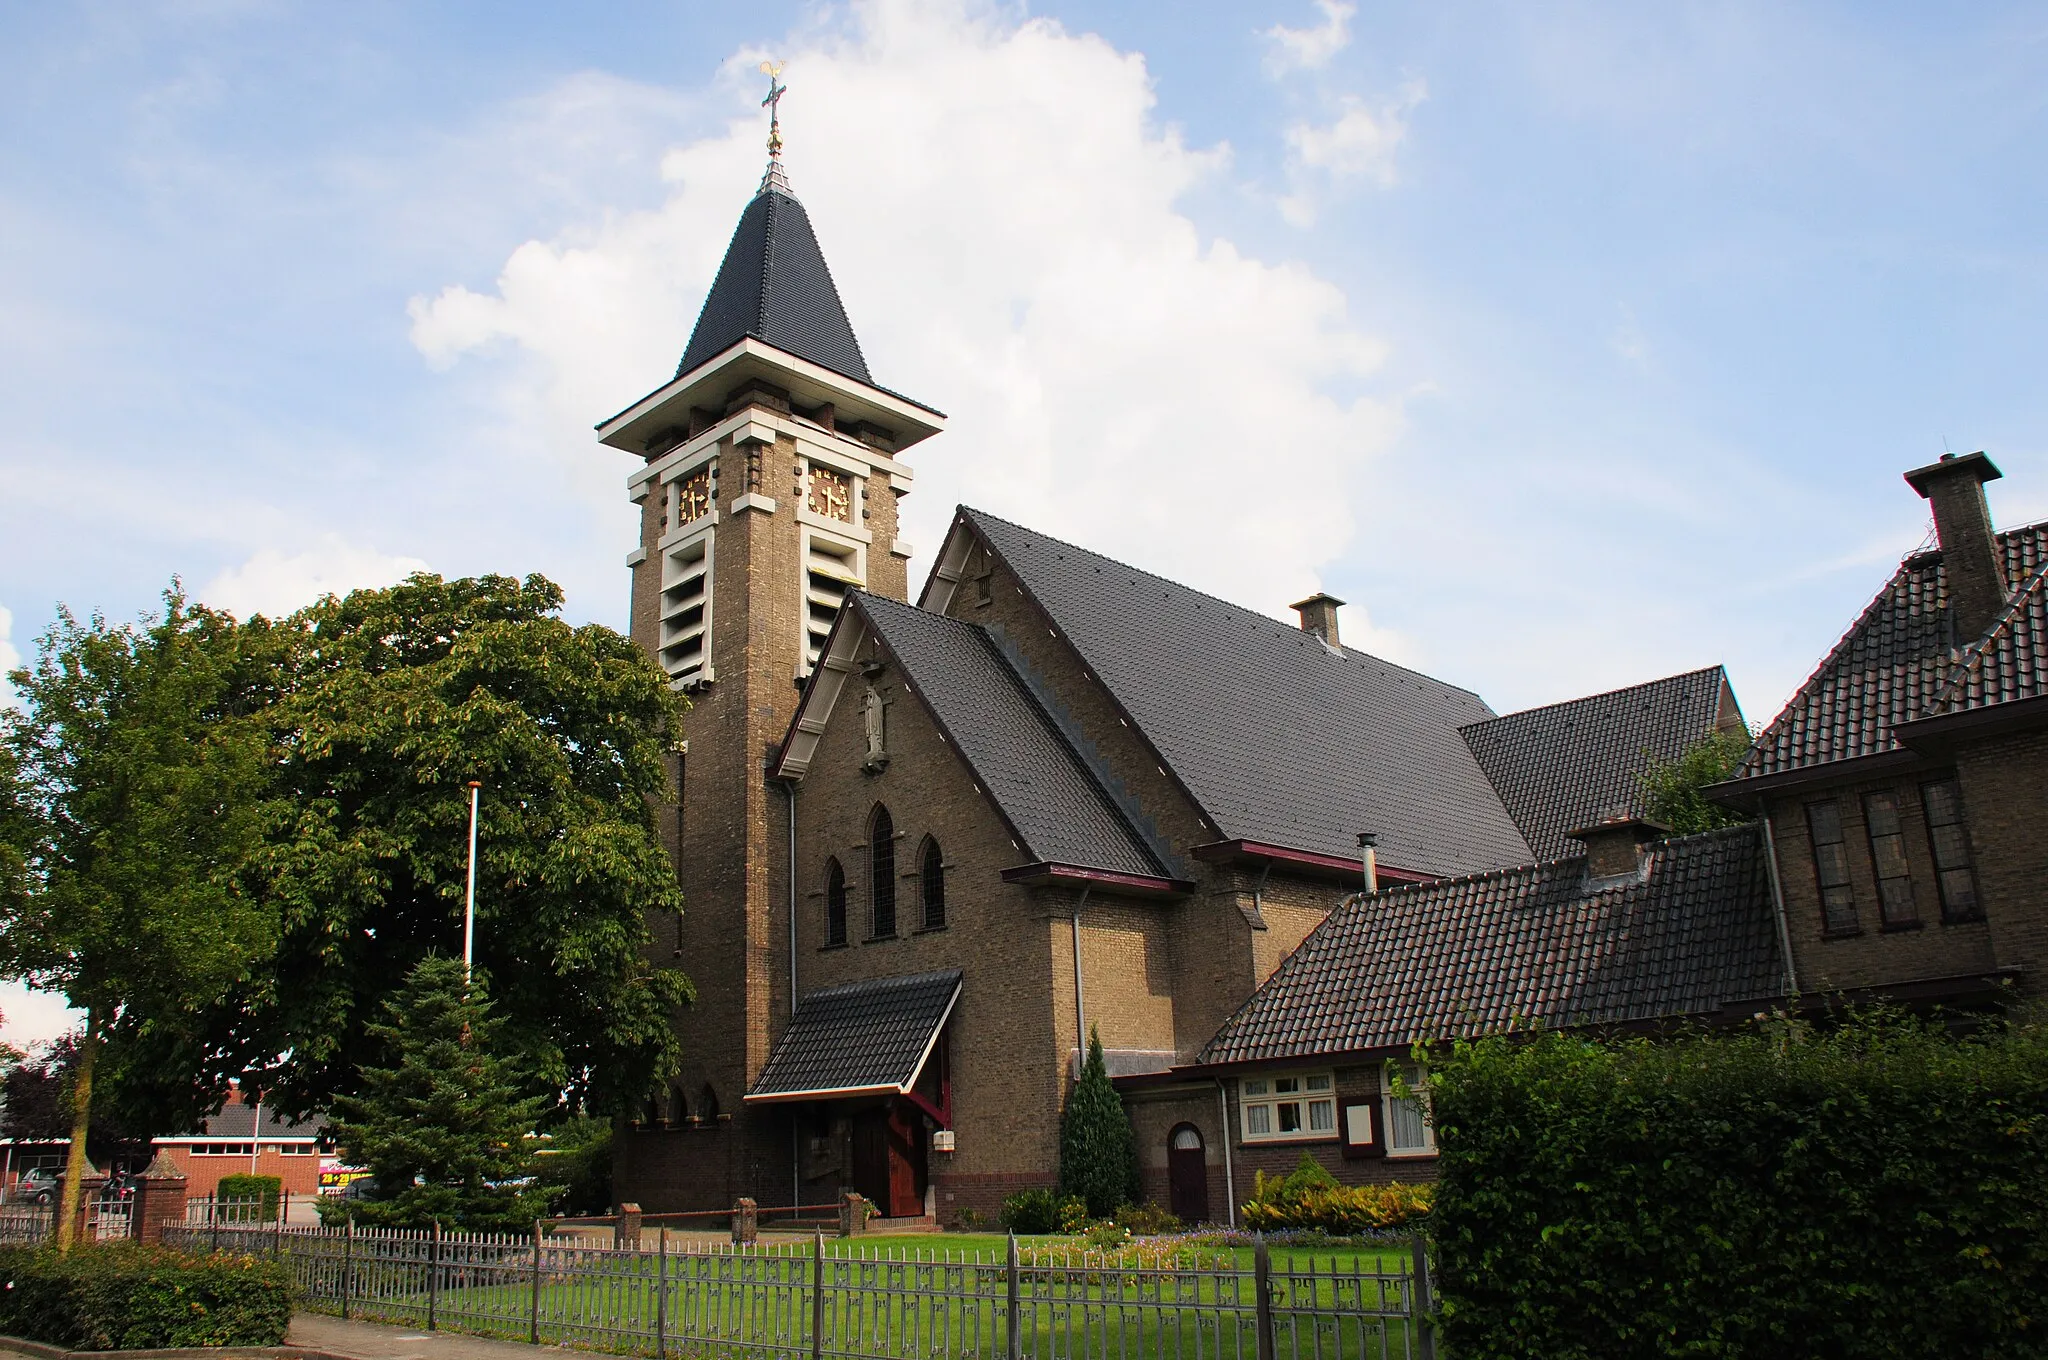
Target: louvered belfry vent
x=775, y=286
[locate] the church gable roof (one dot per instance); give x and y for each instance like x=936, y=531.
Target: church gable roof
x=1893, y=666
x=1277, y=737
x=1576, y=763
x=1541, y=944
x=774, y=285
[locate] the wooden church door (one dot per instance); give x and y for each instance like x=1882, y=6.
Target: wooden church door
x=889, y=1160
x=1187, y=1175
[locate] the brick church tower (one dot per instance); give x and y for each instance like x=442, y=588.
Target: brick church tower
x=771, y=486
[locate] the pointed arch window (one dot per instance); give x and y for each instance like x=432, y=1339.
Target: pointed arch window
x=882, y=872
x=835, y=903
x=931, y=875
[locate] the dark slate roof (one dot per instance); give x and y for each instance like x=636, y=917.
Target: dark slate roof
x=239, y=1121
x=2010, y=662
x=774, y=285
x=1889, y=668
x=859, y=1035
x=1277, y=737
x=1541, y=944
x=1051, y=797
x=1572, y=764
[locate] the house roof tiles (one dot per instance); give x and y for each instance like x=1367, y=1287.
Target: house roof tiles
x=2010, y=662
x=870, y=1035
x=1540, y=944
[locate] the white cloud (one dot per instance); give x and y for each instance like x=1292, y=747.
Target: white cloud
x=274, y=583
x=1359, y=143
x=1002, y=216
x=1307, y=49
x=30, y=1019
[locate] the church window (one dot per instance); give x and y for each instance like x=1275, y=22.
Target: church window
x=932, y=885
x=835, y=903
x=1942, y=801
x=1888, y=855
x=1290, y=1107
x=882, y=872
x=1831, y=867
x=707, y=1104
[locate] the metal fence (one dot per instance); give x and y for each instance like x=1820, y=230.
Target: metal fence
x=793, y=1301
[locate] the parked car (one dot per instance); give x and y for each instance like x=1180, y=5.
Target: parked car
x=37, y=1185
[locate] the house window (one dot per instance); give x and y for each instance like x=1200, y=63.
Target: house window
x=932, y=885
x=1831, y=867
x=1299, y=1106
x=1942, y=800
x=835, y=903
x=882, y=873
x=1888, y=857
x=1408, y=1130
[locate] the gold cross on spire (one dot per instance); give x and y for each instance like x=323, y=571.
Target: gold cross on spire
x=773, y=103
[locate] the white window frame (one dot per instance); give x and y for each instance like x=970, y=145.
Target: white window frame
x=1260, y=1102
x=1415, y=1076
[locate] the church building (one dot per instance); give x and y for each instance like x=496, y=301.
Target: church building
x=926, y=848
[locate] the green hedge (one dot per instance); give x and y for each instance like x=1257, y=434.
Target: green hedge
x=1876, y=1190
x=126, y=1297
x=248, y=1199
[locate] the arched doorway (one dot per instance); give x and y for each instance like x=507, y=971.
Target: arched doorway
x=1187, y=1175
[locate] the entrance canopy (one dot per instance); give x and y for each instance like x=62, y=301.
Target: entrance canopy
x=869, y=1038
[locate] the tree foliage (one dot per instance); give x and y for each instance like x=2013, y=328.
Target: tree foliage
x=389, y=702
x=132, y=782
x=1674, y=791
x=444, y=1129
x=1098, y=1149
x=1873, y=1189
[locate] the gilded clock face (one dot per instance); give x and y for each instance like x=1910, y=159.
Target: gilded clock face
x=831, y=494
x=693, y=496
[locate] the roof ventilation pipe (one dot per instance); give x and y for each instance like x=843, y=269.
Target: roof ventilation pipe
x=1368, y=850
x=1969, y=547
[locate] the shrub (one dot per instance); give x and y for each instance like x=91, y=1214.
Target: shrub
x=1106, y=1236
x=1030, y=1212
x=1148, y=1219
x=1098, y=1150
x=248, y=1199
x=127, y=1297
x=1872, y=1190
x=1310, y=1197
x=1071, y=1215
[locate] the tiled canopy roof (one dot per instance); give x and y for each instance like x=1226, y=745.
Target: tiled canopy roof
x=1571, y=764
x=1279, y=738
x=1891, y=667
x=2010, y=662
x=1521, y=946
x=774, y=285
x=869, y=1036
x=1051, y=797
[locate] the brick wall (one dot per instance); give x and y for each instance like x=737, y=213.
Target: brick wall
x=2005, y=801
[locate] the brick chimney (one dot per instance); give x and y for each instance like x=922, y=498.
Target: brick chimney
x=1319, y=616
x=1969, y=548
x=1614, y=844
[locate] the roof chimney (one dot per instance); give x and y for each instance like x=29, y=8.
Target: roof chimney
x=1969, y=548
x=1319, y=616
x=1614, y=844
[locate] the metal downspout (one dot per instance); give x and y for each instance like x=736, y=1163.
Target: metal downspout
x=1778, y=901
x=1229, y=1180
x=1080, y=1008
x=796, y=1163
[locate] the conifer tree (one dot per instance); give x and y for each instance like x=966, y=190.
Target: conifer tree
x=1098, y=1150
x=445, y=1131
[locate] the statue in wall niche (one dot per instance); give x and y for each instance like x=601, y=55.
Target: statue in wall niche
x=875, y=718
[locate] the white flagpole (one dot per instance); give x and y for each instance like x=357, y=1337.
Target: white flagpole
x=469, y=908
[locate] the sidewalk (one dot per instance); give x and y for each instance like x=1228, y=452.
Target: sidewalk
x=379, y=1341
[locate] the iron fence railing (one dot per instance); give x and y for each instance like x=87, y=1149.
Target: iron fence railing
x=785, y=1302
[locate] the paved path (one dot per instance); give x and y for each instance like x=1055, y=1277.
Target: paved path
x=378, y=1341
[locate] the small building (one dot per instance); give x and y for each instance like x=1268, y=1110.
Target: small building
x=231, y=1143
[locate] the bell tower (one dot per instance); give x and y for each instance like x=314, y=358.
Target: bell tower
x=770, y=488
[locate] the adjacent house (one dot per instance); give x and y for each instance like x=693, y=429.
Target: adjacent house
x=242, y=1139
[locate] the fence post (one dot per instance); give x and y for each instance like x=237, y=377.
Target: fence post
x=348, y=1267
x=661, y=1294
x=434, y=1277
x=533, y=1305
x=284, y=1204
x=1422, y=1303
x=213, y=1221
x=1016, y=1329
x=817, y=1294
x=1262, y=1281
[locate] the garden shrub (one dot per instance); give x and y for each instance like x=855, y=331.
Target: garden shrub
x=1098, y=1148
x=1310, y=1197
x=248, y=1199
x=1043, y=1211
x=1872, y=1190
x=1148, y=1219
x=127, y=1297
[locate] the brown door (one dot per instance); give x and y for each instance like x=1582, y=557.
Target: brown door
x=871, y=1157
x=906, y=1163
x=1187, y=1175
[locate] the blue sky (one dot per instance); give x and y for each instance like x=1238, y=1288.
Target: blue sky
x=1573, y=345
